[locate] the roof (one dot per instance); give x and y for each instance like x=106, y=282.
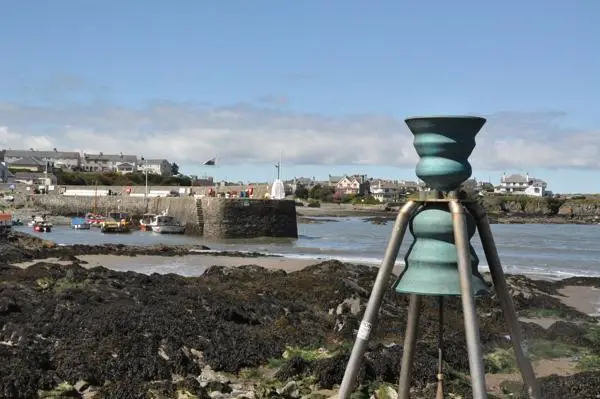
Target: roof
x=154, y=161
x=125, y=165
x=382, y=184
x=42, y=154
x=111, y=157
x=28, y=161
x=514, y=178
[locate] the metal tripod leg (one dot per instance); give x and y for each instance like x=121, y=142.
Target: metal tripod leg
x=408, y=350
x=506, y=303
x=389, y=260
x=461, y=239
x=440, y=375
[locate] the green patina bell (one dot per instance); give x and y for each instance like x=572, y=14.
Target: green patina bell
x=444, y=144
x=431, y=262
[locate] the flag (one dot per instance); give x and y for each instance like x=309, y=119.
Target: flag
x=210, y=162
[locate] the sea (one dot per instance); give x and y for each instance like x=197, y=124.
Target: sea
x=553, y=251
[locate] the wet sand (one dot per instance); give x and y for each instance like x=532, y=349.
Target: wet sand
x=187, y=265
x=584, y=299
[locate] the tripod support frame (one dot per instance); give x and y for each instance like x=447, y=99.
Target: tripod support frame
x=457, y=207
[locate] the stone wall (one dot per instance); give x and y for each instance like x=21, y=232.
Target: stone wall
x=211, y=217
x=244, y=218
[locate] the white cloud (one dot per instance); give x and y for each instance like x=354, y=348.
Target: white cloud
x=239, y=133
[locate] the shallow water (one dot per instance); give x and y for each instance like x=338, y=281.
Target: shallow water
x=546, y=250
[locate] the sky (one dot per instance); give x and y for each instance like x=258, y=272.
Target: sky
x=325, y=85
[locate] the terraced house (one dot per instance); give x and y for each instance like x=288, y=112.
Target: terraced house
x=66, y=160
x=120, y=163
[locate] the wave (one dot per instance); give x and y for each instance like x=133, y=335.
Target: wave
x=534, y=271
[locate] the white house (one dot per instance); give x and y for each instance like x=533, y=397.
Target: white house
x=160, y=167
x=385, y=190
x=522, y=185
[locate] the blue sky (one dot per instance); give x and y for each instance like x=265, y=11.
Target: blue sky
x=326, y=84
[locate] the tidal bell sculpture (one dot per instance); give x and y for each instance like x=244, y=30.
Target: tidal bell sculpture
x=441, y=260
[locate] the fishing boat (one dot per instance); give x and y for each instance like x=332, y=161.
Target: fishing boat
x=42, y=227
x=111, y=225
x=146, y=221
x=79, y=223
x=122, y=217
x=165, y=224
x=17, y=222
x=36, y=219
x=6, y=223
x=94, y=219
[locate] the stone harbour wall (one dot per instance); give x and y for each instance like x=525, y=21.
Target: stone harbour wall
x=210, y=217
x=246, y=218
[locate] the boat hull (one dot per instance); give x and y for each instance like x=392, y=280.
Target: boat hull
x=83, y=226
x=168, y=229
x=42, y=229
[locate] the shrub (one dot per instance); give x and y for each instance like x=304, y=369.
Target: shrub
x=314, y=204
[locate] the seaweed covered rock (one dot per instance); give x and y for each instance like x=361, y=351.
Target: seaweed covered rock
x=581, y=386
x=130, y=335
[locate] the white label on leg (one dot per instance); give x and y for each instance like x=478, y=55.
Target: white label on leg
x=364, y=330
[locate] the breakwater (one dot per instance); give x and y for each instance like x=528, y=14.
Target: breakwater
x=209, y=217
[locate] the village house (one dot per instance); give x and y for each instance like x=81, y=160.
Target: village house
x=5, y=175
x=522, y=185
x=332, y=181
x=160, y=167
x=385, y=190
x=30, y=164
x=109, y=163
x=305, y=182
x=60, y=159
x=409, y=186
x=355, y=184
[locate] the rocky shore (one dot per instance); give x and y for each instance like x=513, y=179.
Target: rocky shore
x=248, y=332
x=19, y=247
